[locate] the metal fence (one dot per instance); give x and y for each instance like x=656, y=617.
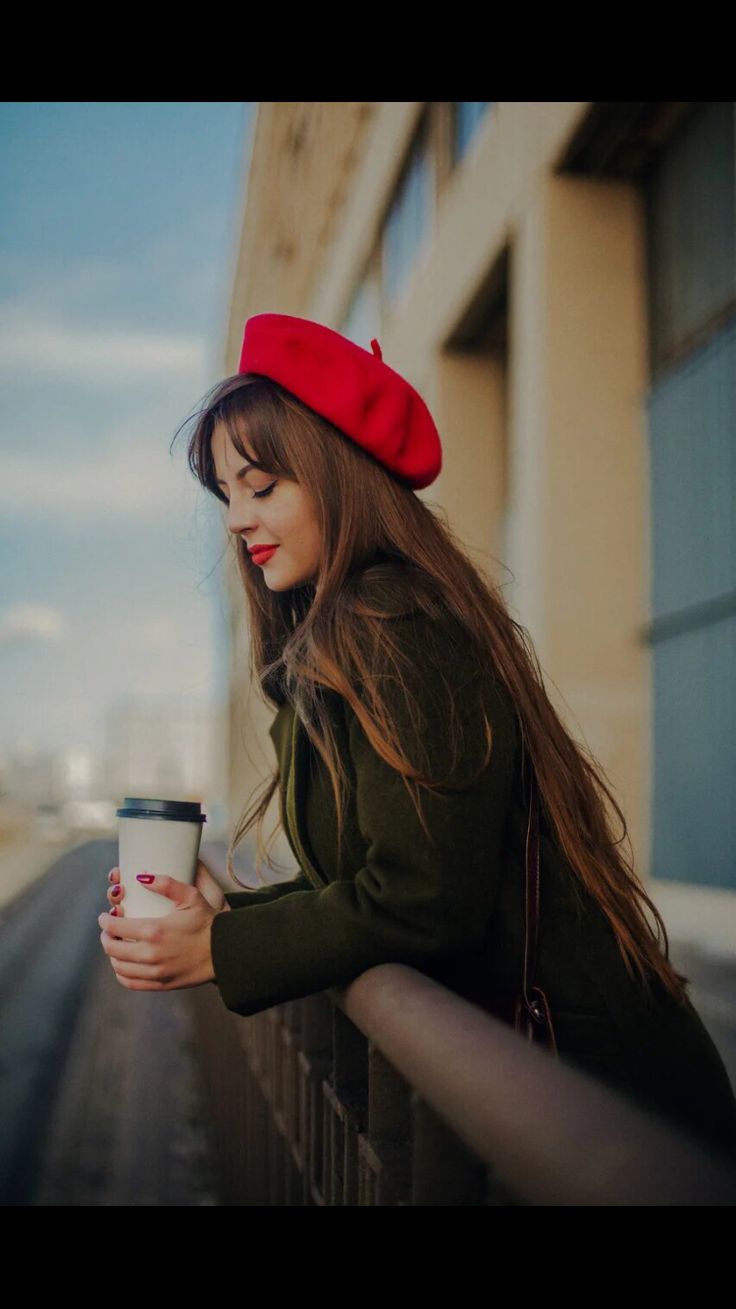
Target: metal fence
x=395, y=1091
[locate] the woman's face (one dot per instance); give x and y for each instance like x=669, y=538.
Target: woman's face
x=270, y=511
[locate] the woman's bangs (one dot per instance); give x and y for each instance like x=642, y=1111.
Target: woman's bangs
x=248, y=424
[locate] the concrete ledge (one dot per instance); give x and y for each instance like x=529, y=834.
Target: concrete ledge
x=698, y=917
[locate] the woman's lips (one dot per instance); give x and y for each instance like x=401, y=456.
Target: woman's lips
x=262, y=556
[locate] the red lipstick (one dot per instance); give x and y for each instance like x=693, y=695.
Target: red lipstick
x=260, y=555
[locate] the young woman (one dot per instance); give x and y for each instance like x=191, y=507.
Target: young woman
x=412, y=723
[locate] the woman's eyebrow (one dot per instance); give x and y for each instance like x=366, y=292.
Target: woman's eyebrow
x=241, y=471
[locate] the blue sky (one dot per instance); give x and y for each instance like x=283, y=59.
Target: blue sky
x=117, y=245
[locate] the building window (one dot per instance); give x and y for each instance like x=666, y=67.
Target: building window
x=362, y=320
x=408, y=224
x=467, y=115
x=691, y=421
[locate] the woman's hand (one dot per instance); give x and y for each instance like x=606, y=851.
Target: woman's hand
x=203, y=880
x=161, y=954
x=209, y=888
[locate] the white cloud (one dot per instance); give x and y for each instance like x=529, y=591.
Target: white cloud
x=135, y=481
x=127, y=471
x=38, y=340
x=34, y=621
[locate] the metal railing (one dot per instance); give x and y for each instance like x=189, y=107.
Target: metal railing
x=396, y=1091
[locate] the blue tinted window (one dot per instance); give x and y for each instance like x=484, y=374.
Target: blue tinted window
x=408, y=222
x=467, y=115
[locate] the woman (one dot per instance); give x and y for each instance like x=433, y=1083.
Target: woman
x=411, y=722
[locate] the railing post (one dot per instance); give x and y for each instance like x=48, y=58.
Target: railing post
x=346, y=1110
x=385, y=1149
x=314, y=1066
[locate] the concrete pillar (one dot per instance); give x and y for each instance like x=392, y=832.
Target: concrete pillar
x=579, y=471
x=469, y=411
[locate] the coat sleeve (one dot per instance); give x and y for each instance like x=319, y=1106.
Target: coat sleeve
x=414, y=900
x=265, y=894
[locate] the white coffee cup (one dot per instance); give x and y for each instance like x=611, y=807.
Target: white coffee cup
x=161, y=837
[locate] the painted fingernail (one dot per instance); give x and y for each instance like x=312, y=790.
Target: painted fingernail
x=113, y=912
x=115, y=890
x=110, y=875
x=144, y=877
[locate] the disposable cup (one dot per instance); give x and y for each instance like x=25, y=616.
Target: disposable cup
x=160, y=837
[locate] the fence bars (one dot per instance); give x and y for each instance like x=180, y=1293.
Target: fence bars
x=395, y=1091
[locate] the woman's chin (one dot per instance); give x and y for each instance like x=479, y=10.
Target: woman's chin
x=280, y=579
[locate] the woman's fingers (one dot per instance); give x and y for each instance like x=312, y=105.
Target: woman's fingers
x=115, y=892
x=125, y=957
x=208, y=887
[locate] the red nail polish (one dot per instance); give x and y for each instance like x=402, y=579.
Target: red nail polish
x=144, y=877
x=115, y=890
x=113, y=912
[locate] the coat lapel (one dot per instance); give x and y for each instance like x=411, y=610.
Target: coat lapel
x=292, y=749
x=386, y=582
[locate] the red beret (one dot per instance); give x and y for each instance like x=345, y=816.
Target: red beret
x=350, y=387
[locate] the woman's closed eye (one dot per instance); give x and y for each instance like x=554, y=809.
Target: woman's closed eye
x=257, y=495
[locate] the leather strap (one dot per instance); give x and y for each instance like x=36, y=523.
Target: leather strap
x=532, y=1015
x=531, y=889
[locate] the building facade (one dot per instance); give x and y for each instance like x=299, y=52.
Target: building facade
x=558, y=280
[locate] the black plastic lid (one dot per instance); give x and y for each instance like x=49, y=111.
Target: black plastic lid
x=184, y=811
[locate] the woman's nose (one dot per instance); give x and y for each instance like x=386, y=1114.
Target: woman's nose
x=241, y=518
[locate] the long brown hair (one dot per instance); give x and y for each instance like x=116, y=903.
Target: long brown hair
x=326, y=638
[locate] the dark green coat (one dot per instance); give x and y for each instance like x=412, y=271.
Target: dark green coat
x=452, y=908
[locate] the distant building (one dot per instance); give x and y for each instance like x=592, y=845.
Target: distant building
x=169, y=749
x=29, y=776
x=80, y=773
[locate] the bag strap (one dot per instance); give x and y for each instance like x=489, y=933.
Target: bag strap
x=531, y=891
x=533, y=1012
